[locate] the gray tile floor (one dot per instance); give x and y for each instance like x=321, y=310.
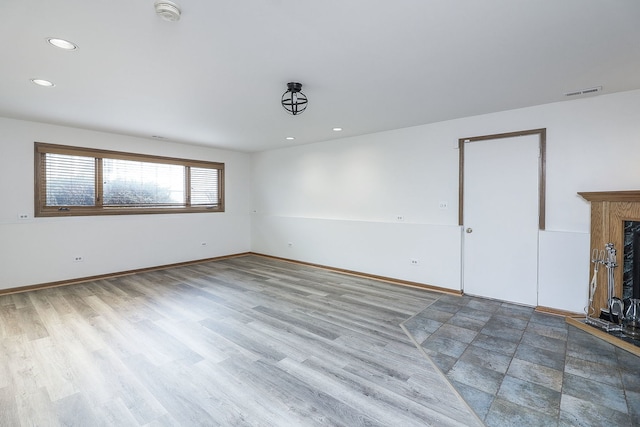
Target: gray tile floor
x=518, y=367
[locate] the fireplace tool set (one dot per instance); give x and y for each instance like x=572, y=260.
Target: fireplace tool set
x=612, y=318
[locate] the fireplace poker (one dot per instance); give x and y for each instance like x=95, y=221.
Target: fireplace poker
x=615, y=303
x=610, y=263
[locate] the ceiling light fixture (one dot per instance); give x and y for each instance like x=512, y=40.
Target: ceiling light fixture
x=337, y=129
x=167, y=10
x=293, y=100
x=42, y=82
x=289, y=138
x=62, y=44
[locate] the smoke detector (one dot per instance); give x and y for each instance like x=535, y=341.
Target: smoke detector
x=167, y=10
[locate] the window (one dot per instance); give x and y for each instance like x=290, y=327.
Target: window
x=80, y=181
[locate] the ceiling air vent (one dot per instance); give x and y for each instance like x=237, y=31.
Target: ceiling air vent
x=584, y=91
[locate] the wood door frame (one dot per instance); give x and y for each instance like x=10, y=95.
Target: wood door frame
x=542, y=166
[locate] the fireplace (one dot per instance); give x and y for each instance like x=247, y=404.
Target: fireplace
x=631, y=265
x=615, y=219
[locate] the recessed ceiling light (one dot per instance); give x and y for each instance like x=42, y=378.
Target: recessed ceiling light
x=42, y=82
x=62, y=44
x=337, y=129
x=290, y=138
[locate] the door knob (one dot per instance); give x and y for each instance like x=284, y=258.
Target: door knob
x=469, y=230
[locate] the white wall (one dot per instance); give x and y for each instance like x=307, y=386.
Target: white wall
x=337, y=202
x=41, y=250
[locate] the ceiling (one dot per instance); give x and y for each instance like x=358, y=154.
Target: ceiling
x=216, y=76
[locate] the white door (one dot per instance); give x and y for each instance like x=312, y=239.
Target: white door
x=500, y=231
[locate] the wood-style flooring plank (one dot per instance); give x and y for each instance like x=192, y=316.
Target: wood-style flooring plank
x=242, y=405
x=181, y=398
x=33, y=409
x=9, y=412
x=75, y=410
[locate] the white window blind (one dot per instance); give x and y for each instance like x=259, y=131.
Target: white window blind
x=70, y=180
x=204, y=186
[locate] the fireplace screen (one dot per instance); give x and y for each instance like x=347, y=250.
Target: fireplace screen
x=631, y=267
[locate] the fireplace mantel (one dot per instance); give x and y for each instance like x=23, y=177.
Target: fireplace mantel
x=611, y=196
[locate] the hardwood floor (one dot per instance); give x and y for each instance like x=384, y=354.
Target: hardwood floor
x=247, y=341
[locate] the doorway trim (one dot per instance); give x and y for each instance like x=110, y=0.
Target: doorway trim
x=542, y=165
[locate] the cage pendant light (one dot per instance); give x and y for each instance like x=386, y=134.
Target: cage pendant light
x=293, y=100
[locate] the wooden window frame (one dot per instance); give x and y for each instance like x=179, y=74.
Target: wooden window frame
x=41, y=210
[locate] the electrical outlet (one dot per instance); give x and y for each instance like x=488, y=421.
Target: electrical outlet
x=443, y=205
x=78, y=259
x=23, y=216
x=399, y=217
x=414, y=261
